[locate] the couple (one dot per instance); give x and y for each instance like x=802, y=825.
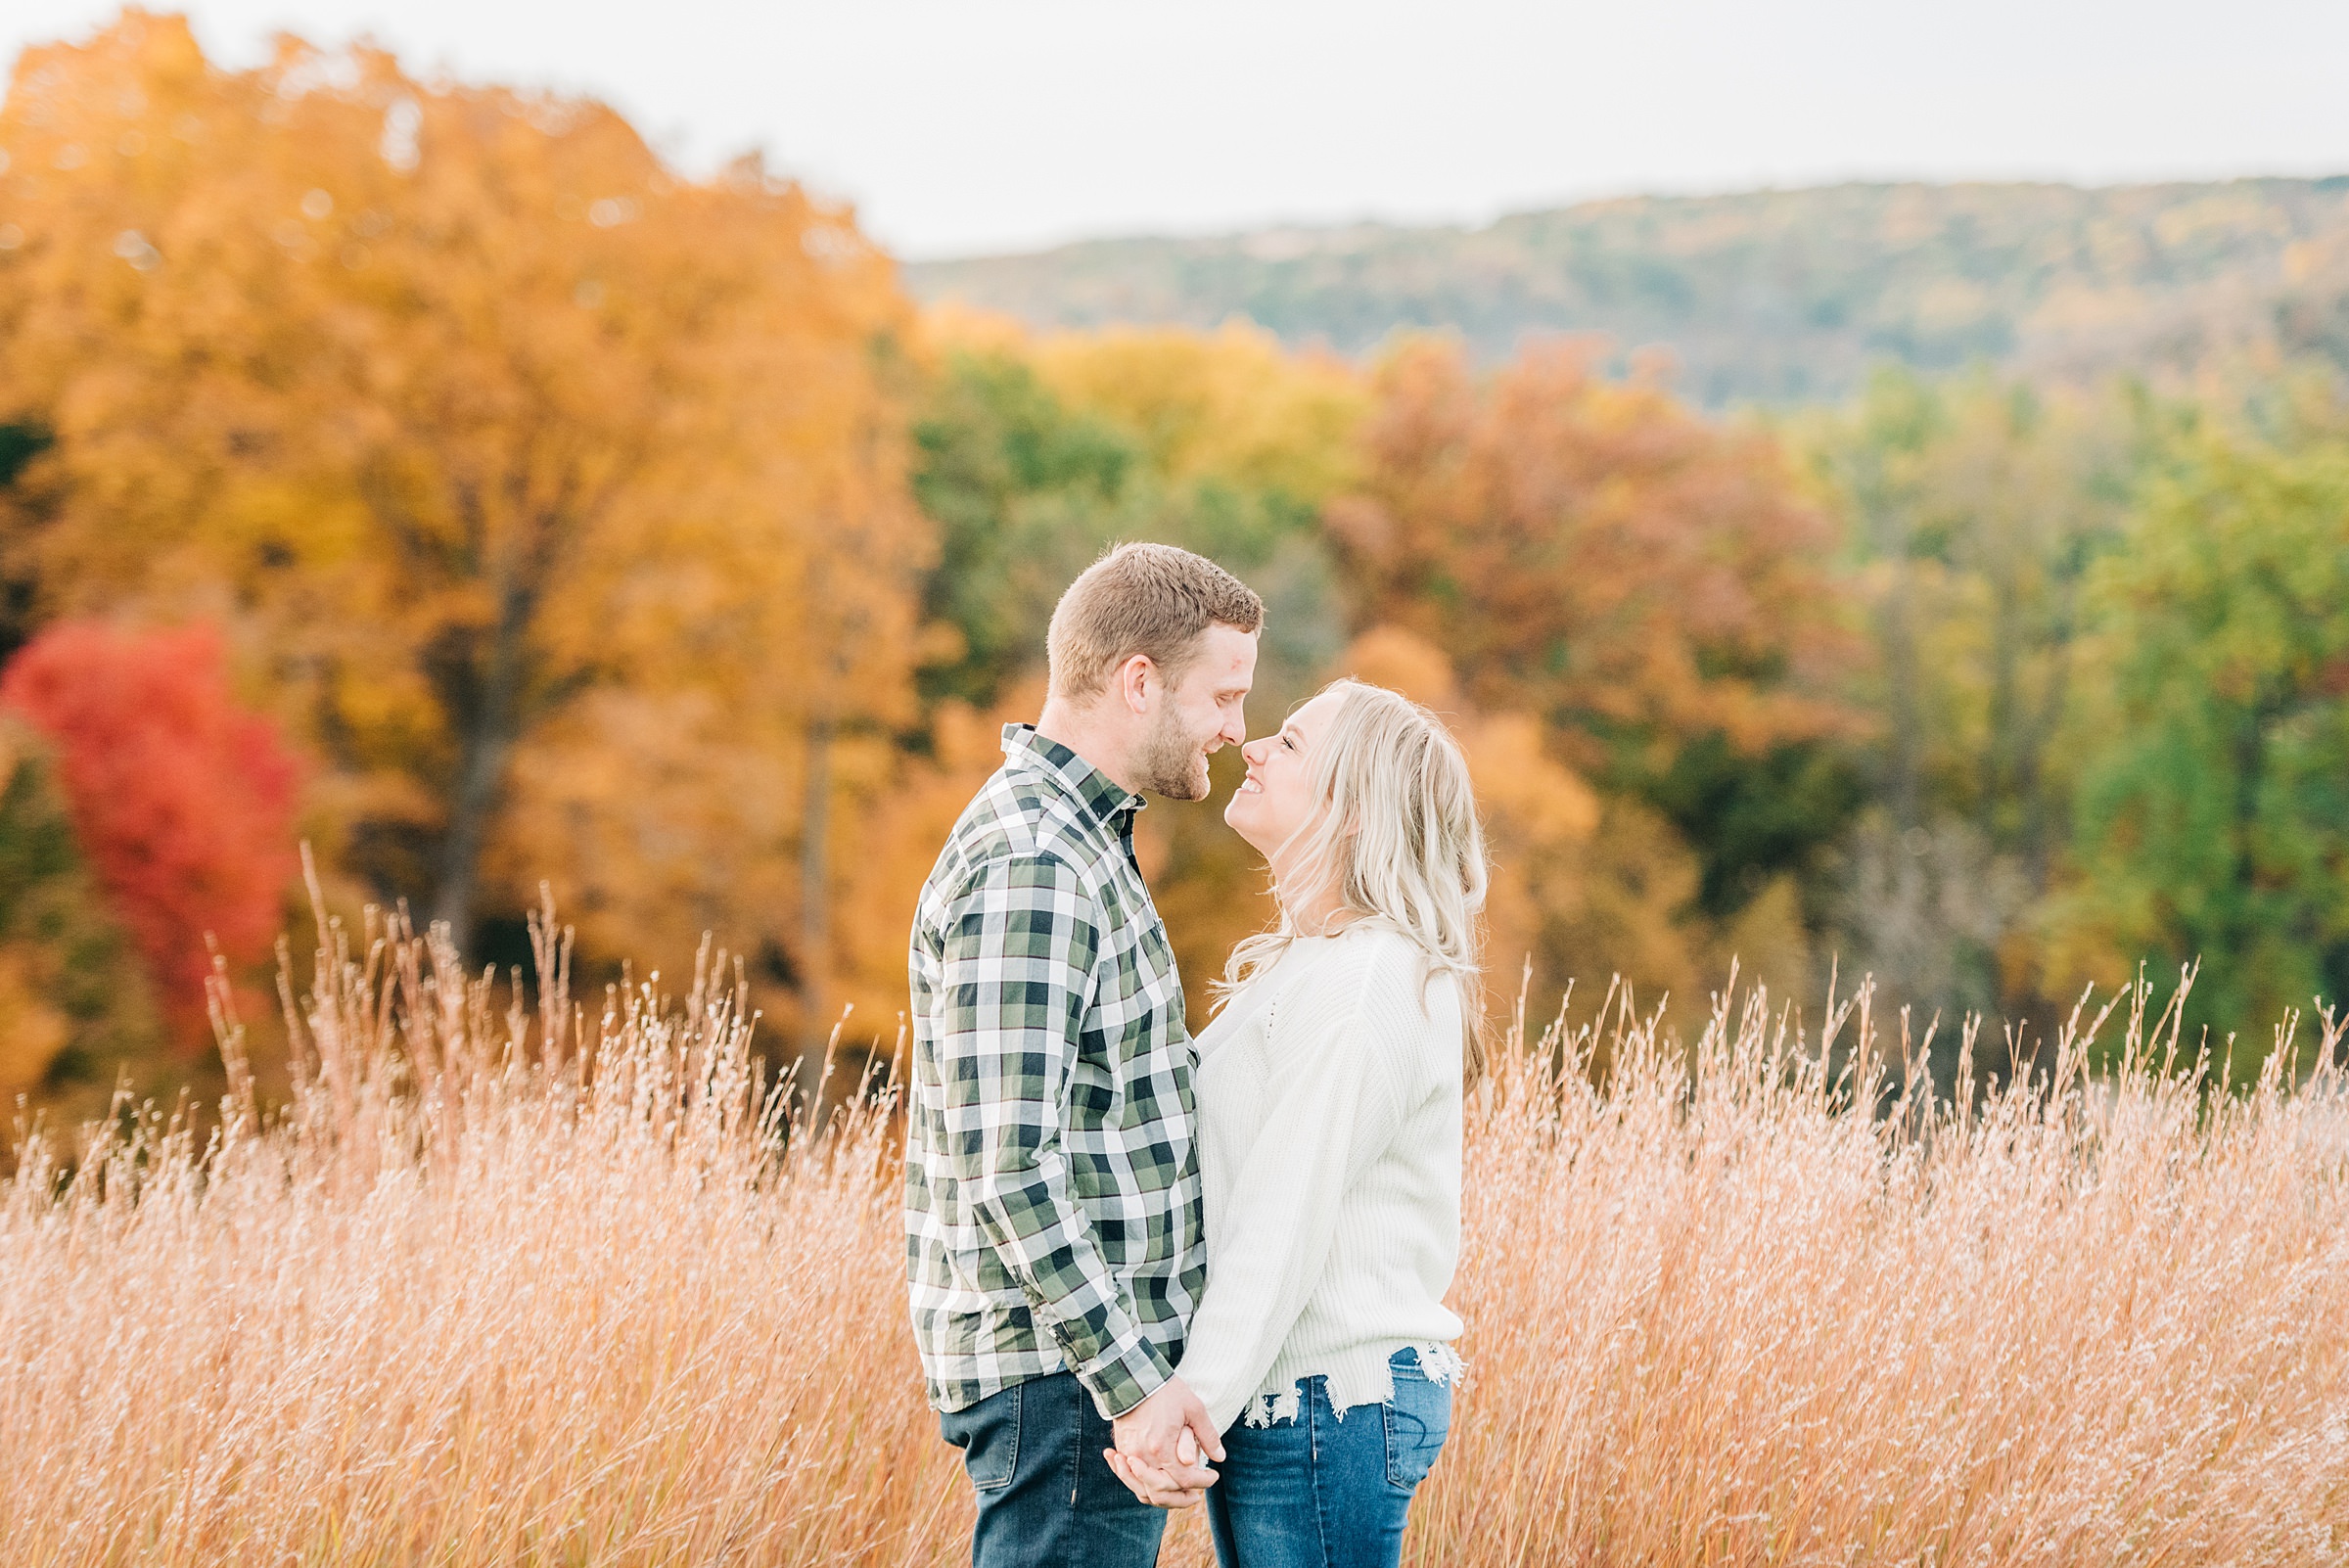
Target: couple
x=1147, y=1269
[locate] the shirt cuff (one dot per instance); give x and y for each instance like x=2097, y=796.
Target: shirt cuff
x=1120, y=1381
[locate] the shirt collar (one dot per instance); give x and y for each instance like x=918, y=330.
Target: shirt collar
x=1101, y=795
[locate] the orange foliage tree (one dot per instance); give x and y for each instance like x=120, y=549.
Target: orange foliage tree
x=1591, y=550
x=1651, y=592
x=182, y=799
x=1586, y=885
x=558, y=499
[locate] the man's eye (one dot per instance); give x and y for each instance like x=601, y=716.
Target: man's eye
x=1290, y=744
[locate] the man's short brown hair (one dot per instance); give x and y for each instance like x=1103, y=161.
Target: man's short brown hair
x=1150, y=599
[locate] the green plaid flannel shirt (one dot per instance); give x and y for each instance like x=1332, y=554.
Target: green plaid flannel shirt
x=1052, y=1206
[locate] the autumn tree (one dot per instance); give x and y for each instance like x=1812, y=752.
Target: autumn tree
x=1652, y=588
x=1586, y=886
x=1591, y=550
x=181, y=799
x=558, y=499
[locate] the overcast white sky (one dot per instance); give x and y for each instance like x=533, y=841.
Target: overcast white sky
x=970, y=125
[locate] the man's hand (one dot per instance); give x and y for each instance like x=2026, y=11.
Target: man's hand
x=1162, y=1444
x=1149, y=1430
x=1158, y=1487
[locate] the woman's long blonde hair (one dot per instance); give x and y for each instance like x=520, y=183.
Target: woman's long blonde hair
x=1393, y=829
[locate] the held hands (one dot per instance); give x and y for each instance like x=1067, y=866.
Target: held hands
x=1162, y=1445
x=1179, y=1486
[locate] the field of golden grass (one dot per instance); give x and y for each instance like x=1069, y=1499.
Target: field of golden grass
x=517, y=1287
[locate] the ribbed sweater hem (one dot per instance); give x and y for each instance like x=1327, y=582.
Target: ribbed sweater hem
x=1356, y=1377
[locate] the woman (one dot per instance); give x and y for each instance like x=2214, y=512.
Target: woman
x=1329, y=1138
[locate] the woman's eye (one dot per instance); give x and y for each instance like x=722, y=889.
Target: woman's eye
x=1290, y=744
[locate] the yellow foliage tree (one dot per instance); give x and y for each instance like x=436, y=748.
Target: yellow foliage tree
x=1232, y=405
x=555, y=499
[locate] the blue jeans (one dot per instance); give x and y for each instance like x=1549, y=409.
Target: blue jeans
x=1314, y=1492
x=1046, y=1498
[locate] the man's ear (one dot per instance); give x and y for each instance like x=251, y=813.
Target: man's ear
x=1136, y=677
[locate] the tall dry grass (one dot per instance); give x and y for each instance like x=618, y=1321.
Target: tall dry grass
x=551, y=1288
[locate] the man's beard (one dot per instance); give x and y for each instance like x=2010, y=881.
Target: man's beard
x=1170, y=762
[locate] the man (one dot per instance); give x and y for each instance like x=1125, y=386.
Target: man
x=1052, y=1203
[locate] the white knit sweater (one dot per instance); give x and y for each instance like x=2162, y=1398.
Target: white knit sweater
x=1329, y=1150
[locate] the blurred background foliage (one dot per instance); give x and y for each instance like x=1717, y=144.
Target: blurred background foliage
x=426, y=472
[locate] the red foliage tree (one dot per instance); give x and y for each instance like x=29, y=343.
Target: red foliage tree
x=182, y=799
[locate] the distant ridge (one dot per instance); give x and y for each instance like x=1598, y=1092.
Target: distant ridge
x=1765, y=295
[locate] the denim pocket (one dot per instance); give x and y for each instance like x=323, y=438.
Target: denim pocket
x=989, y=1435
x=1418, y=1418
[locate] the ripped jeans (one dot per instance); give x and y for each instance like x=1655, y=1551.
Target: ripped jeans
x=1313, y=1490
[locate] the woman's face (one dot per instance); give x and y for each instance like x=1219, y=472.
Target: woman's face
x=1276, y=798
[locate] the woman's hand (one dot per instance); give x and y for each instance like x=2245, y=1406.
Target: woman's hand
x=1180, y=1488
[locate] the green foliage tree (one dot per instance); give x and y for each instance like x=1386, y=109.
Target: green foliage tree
x=76, y=1006
x=1027, y=485
x=20, y=580
x=2215, y=787
x=1753, y=818
x=1024, y=491
x=1974, y=511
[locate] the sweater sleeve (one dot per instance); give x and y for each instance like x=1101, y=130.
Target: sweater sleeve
x=1333, y=1108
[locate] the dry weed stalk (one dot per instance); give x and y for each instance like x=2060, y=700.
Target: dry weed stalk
x=500, y=1287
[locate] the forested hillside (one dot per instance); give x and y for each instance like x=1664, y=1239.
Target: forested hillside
x=1773, y=296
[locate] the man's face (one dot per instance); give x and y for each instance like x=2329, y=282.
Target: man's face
x=1198, y=715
